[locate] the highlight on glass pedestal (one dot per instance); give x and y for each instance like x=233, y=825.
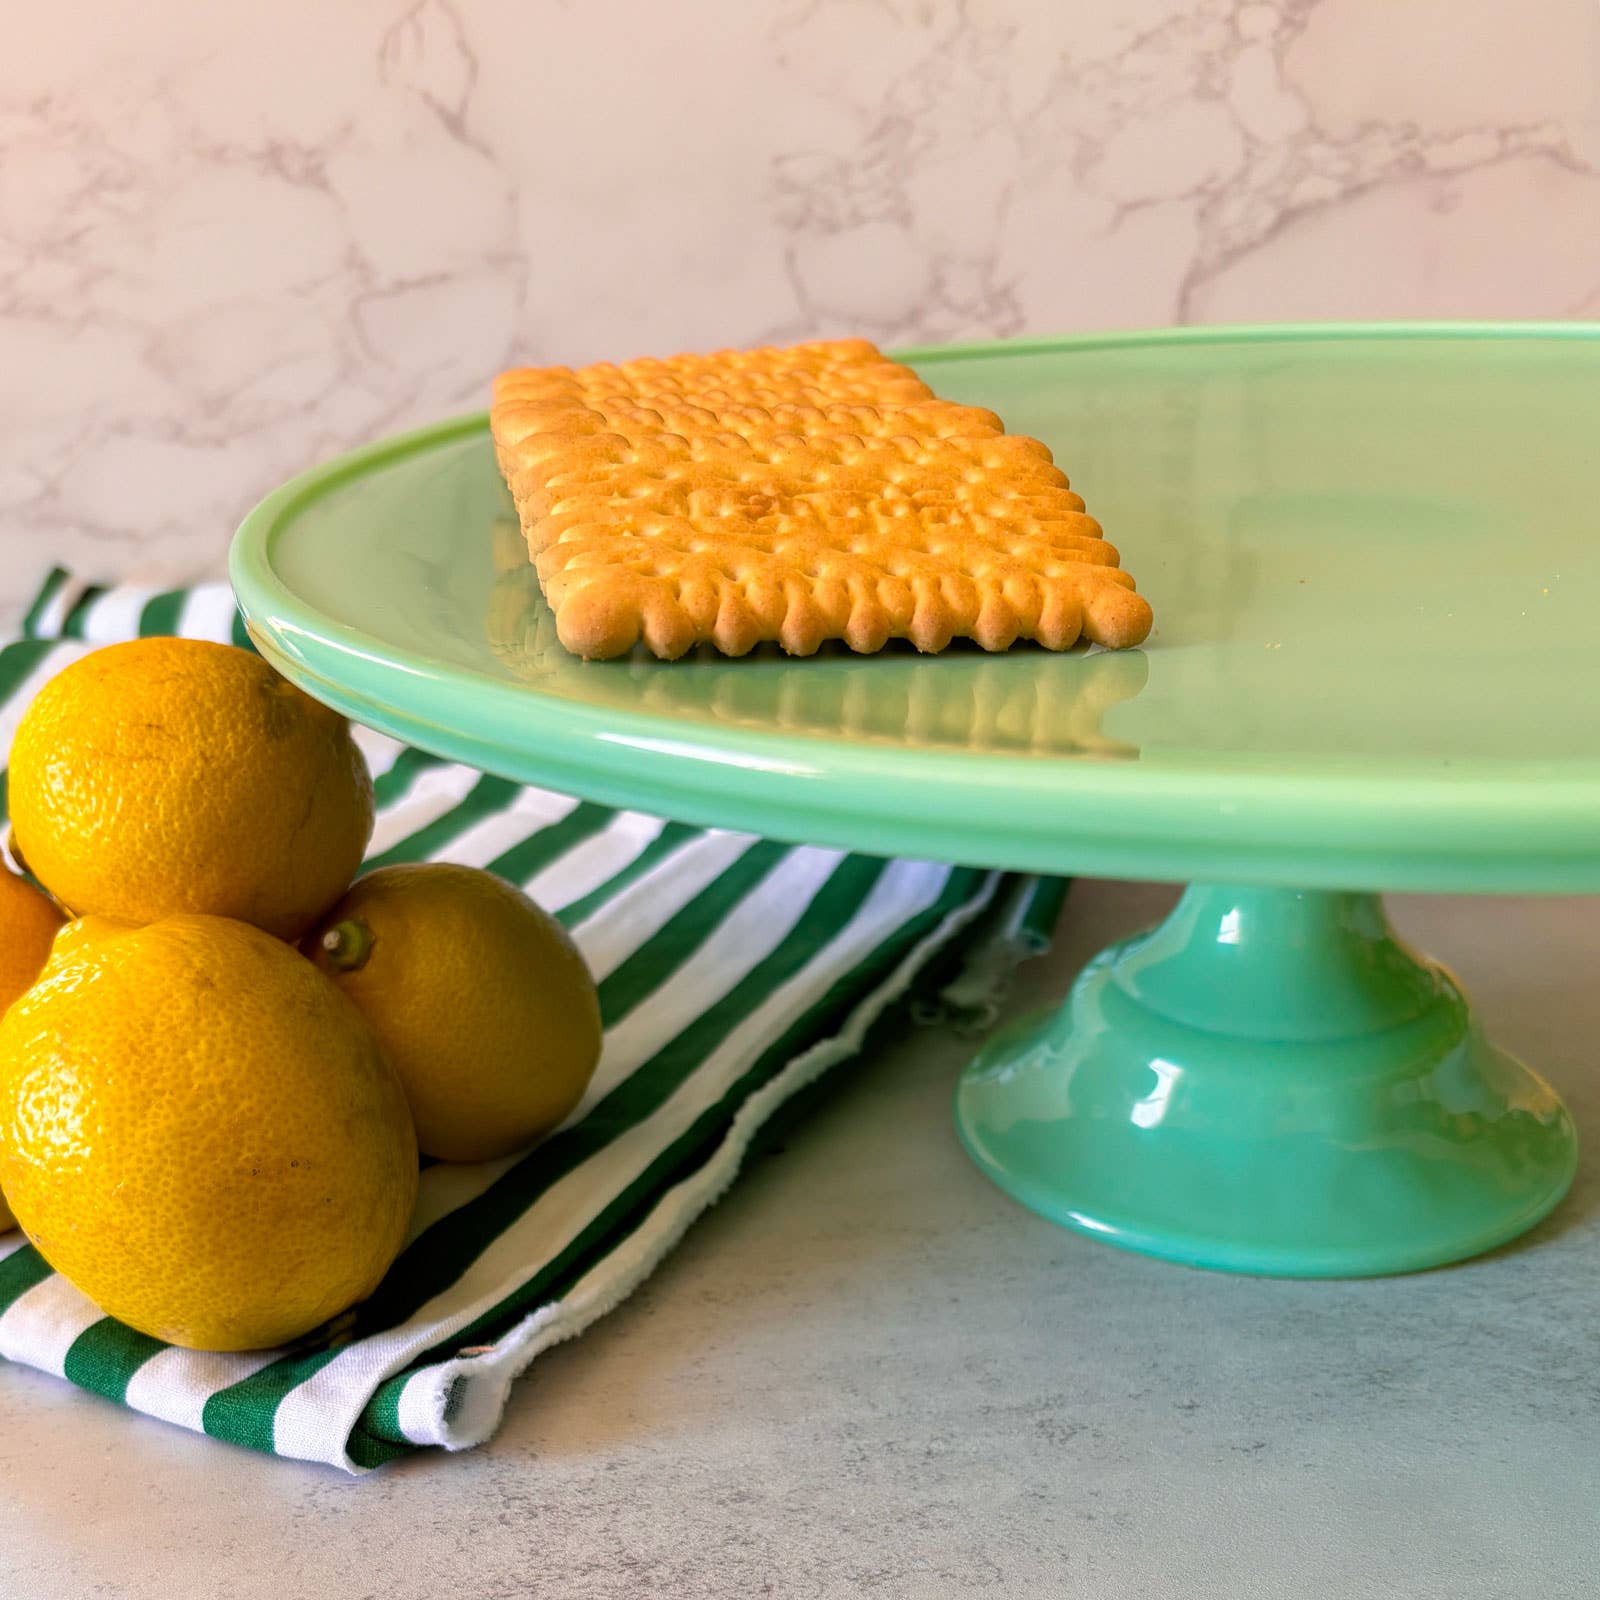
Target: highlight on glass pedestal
x=1271, y=1082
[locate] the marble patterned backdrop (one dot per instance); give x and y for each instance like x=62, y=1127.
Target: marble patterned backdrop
x=238, y=237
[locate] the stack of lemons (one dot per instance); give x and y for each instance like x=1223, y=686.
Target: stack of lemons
x=220, y=1058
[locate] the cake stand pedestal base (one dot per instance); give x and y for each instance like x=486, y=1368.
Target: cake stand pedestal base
x=1269, y=1082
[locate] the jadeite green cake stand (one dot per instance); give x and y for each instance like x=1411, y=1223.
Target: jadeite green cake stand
x=1374, y=557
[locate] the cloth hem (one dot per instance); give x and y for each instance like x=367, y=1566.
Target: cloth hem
x=458, y=1404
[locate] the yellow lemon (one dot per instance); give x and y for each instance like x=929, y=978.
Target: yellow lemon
x=28, y=922
x=81, y=932
x=171, y=775
x=478, y=997
x=200, y=1132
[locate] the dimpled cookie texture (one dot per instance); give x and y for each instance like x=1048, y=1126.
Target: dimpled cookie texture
x=816, y=492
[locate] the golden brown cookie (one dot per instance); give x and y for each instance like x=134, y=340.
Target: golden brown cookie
x=815, y=492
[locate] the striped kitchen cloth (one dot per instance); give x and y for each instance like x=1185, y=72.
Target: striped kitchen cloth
x=733, y=971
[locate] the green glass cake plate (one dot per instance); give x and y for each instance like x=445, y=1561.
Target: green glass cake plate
x=1374, y=558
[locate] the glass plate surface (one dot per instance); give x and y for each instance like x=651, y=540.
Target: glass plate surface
x=1373, y=554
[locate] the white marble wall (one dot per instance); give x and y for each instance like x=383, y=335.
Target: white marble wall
x=237, y=237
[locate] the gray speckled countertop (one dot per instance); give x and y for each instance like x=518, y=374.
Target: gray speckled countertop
x=867, y=1372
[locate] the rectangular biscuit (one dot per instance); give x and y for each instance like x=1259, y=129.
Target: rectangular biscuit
x=819, y=491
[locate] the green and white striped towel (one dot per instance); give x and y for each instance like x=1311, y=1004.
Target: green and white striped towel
x=733, y=971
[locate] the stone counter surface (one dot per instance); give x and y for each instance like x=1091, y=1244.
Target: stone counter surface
x=867, y=1372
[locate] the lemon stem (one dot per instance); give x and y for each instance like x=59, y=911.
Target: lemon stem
x=347, y=944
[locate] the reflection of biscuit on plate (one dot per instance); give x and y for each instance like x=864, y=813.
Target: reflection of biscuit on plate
x=993, y=703
x=802, y=494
